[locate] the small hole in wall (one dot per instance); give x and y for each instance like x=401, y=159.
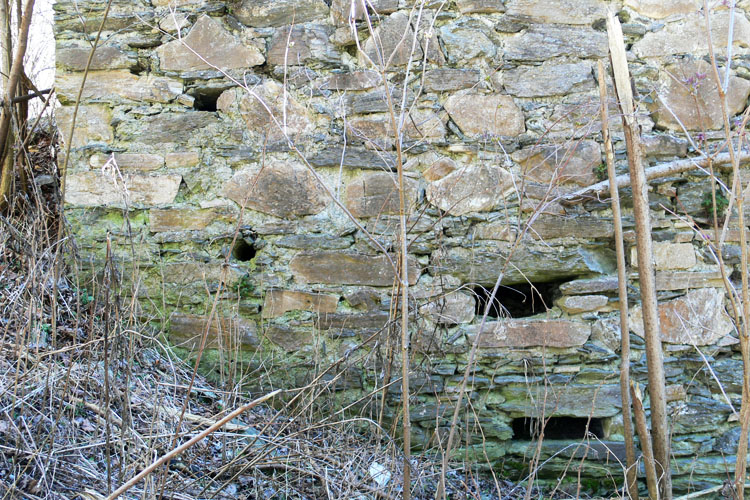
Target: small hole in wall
x=243, y=251
x=206, y=101
x=516, y=301
x=527, y=428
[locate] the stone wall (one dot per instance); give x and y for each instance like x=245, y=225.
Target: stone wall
x=502, y=121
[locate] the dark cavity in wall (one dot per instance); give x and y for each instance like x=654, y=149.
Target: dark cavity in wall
x=557, y=428
x=517, y=301
x=243, y=251
x=205, y=99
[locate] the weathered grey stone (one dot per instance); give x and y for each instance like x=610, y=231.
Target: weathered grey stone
x=558, y=11
x=305, y=44
x=447, y=79
x=346, y=268
x=376, y=193
x=421, y=125
x=254, y=111
x=696, y=318
x=353, y=157
x=451, y=308
x=213, y=44
x=662, y=145
x=283, y=189
x=490, y=114
x=186, y=219
x=480, y=6
x=187, y=330
x=375, y=101
x=127, y=162
x=602, y=284
x=474, y=188
x=272, y=13
x=576, y=304
x=314, y=242
x=343, y=10
x=701, y=414
x=203, y=274
x=467, y=39
x=106, y=57
x=548, y=79
x=572, y=400
x=531, y=333
x=668, y=255
x=546, y=227
x=354, y=80
x=681, y=280
x=288, y=338
x=569, y=163
x=372, y=320
x=93, y=125
x=534, y=262
x=168, y=127
x=542, y=42
x=278, y=302
x=689, y=36
x=606, y=332
x=392, y=42
x=90, y=189
x=117, y=86
x=658, y=9
x=694, y=99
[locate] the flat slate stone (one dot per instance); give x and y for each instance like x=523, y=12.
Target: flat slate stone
x=520, y=333
x=542, y=42
x=668, y=255
x=169, y=127
x=573, y=400
x=565, y=163
x=583, y=12
x=486, y=114
x=105, y=57
x=186, y=219
x=143, y=162
x=449, y=309
x=91, y=189
x=214, y=44
x=187, y=330
x=659, y=9
x=278, y=302
x=117, y=86
x=345, y=268
x=549, y=79
x=447, y=79
x=302, y=44
x=283, y=189
x=355, y=80
x=576, y=304
x=353, y=157
x=602, y=284
x=288, y=338
x=273, y=13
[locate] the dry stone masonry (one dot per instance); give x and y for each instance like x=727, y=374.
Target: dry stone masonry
x=200, y=118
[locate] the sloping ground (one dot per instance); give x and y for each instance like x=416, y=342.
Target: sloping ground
x=90, y=399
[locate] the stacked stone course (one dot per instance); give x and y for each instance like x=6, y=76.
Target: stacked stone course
x=502, y=121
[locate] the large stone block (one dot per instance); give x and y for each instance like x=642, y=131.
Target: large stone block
x=302, y=44
x=272, y=13
x=376, y=193
x=547, y=41
x=208, y=44
x=548, y=79
x=186, y=219
x=572, y=162
x=344, y=268
x=353, y=157
x=521, y=333
x=692, y=98
x=91, y=189
x=659, y=9
x=697, y=318
x=75, y=58
x=117, y=86
x=447, y=79
x=420, y=125
x=278, y=302
x=354, y=80
x=467, y=39
x=93, y=125
x=283, y=189
x=288, y=338
x=269, y=113
x=574, y=400
x=168, y=127
x=449, y=309
x=477, y=187
x=129, y=162
x=187, y=331
x=478, y=115
x=392, y=42
x=583, y=12
x=668, y=255
x=689, y=35
x=576, y=304
x=535, y=262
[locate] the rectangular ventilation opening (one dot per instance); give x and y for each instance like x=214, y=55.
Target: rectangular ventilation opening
x=527, y=428
x=517, y=301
